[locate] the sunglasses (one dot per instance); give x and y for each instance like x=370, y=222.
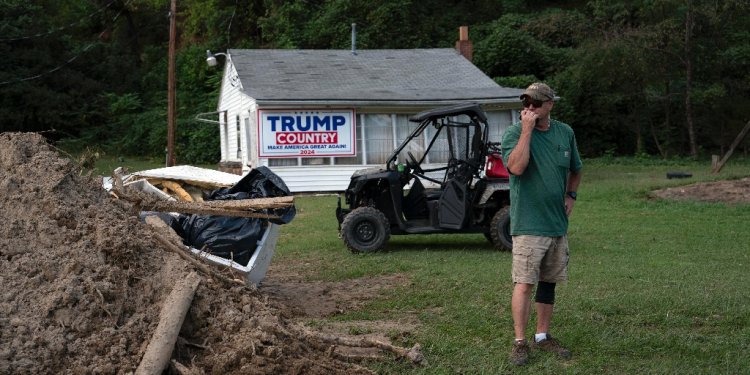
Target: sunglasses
x=537, y=103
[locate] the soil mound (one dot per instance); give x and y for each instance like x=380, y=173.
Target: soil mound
x=718, y=191
x=84, y=282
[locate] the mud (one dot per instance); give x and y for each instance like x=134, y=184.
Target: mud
x=323, y=299
x=84, y=282
x=317, y=303
x=729, y=191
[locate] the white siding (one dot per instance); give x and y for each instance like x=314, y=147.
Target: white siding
x=231, y=100
x=223, y=134
x=319, y=178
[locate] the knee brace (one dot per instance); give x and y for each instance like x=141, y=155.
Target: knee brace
x=545, y=293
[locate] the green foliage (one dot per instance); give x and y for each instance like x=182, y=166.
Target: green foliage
x=509, y=51
x=520, y=82
x=381, y=24
x=620, y=68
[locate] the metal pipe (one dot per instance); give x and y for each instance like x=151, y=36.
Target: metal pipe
x=354, y=39
x=197, y=117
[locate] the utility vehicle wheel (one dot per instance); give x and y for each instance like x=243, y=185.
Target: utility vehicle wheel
x=500, y=230
x=365, y=230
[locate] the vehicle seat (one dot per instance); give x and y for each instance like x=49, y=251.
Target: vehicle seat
x=432, y=194
x=413, y=204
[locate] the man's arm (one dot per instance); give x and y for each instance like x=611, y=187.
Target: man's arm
x=573, y=180
x=519, y=157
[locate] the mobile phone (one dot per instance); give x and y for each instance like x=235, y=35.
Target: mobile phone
x=520, y=118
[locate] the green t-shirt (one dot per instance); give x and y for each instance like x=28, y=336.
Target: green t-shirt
x=537, y=196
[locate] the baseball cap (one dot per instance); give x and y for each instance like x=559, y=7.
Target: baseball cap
x=538, y=91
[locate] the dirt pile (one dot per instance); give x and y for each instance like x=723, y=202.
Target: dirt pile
x=718, y=191
x=84, y=282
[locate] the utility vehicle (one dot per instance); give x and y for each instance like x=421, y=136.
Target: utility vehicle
x=444, y=178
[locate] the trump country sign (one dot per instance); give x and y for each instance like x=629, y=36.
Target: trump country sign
x=306, y=132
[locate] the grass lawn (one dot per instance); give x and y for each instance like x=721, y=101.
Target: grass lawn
x=655, y=286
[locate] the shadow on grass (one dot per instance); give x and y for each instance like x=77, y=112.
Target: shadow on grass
x=395, y=247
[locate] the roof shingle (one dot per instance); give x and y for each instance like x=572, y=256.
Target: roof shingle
x=369, y=75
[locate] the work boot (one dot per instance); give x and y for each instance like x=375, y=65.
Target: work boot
x=520, y=352
x=551, y=345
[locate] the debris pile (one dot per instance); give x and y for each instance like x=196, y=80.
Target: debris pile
x=729, y=191
x=84, y=284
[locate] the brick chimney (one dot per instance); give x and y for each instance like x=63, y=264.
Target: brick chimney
x=463, y=44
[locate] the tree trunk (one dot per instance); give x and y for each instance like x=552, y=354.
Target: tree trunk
x=721, y=139
x=172, y=88
x=667, y=124
x=133, y=34
x=638, y=141
x=689, y=80
x=662, y=152
x=653, y=130
x=740, y=137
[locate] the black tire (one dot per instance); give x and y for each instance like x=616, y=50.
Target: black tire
x=500, y=230
x=365, y=230
x=671, y=175
x=488, y=236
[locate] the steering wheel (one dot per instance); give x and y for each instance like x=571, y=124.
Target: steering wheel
x=411, y=156
x=416, y=166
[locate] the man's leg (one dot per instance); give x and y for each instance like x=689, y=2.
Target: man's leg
x=521, y=305
x=545, y=302
x=553, y=270
x=543, y=317
x=527, y=255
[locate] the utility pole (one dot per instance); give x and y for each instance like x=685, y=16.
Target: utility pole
x=172, y=90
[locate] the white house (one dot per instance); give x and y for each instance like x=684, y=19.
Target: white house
x=316, y=116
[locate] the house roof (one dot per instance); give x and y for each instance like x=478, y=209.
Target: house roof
x=384, y=76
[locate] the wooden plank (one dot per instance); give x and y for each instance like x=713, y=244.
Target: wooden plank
x=252, y=204
x=199, y=209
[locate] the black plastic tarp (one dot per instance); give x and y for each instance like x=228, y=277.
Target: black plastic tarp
x=235, y=237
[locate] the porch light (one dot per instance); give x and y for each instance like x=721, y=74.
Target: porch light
x=211, y=60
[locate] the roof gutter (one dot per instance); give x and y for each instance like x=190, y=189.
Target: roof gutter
x=390, y=103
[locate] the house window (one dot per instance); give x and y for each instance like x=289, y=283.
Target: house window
x=498, y=121
x=239, y=143
x=357, y=159
x=316, y=161
x=282, y=162
x=378, y=131
x=404, y=128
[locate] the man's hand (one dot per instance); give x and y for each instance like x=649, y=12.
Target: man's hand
x=573, y=180
x=569, y=203
x=528, y=120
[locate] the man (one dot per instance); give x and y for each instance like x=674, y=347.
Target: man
x=542, y=156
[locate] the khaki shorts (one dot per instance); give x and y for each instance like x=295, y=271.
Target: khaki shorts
x=538, y=258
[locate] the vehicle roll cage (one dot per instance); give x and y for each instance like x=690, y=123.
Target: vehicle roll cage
x=442, y=121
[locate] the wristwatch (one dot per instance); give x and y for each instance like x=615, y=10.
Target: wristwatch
x=572, y=194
